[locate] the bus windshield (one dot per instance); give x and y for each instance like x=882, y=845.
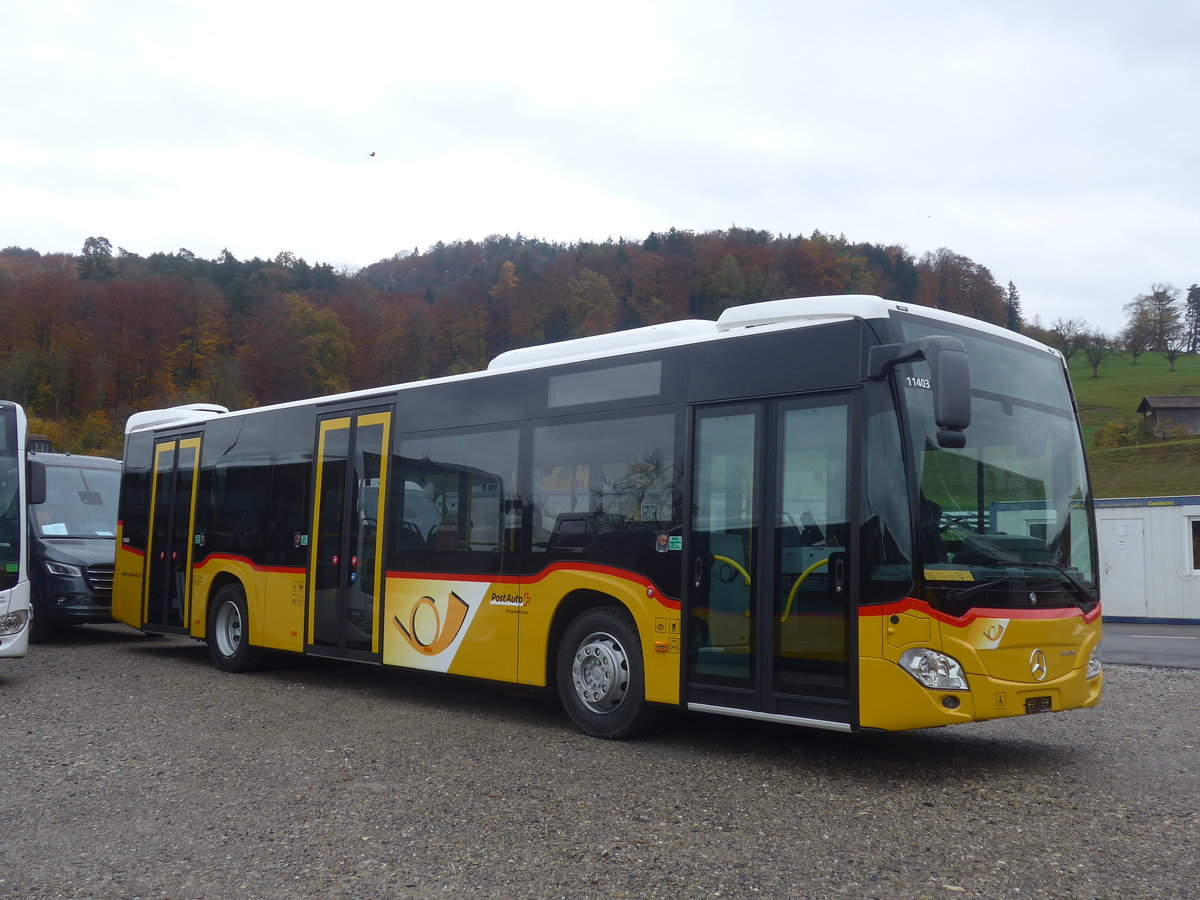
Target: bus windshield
x=1003, y=522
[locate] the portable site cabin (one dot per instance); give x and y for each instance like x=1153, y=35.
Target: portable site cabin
x=1150, y=558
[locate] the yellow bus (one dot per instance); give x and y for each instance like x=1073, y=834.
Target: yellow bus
x=839, y=512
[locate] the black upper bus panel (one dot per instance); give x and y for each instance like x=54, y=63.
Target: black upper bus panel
x=481, y=401
x=820, y=357
x=797, y=360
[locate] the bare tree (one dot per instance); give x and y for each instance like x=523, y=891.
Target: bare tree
x=1097, y=346
x=1135, y=339
x=1174, y=346
x=1157, y=311
x=1067, y=334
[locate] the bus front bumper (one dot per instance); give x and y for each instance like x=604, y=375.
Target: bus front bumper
x=892, y=700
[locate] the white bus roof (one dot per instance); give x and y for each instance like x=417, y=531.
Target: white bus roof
x=175, y=415
x=777, y=314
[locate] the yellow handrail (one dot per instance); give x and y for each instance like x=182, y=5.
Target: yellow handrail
x=735, y=565
x=787, y=610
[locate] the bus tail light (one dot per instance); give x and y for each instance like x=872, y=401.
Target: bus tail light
x=934, y=670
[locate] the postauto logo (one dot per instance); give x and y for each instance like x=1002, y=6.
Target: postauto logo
x=427, y=632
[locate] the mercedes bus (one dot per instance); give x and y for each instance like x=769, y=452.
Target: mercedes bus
x=839, y=512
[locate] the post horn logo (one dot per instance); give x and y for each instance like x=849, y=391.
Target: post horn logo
x=427, y=632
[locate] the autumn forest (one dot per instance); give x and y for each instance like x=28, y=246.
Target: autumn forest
x=92, y=337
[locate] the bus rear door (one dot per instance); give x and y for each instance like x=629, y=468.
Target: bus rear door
x=167, y=599
x=346, y=577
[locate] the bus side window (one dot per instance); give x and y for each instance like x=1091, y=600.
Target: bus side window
x=450, y=499
x=608, y=491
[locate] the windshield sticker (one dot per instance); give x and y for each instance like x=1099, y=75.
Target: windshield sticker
x=949, y=575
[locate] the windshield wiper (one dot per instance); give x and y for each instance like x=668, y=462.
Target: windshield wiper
x=965, y=593
x=1078, y=588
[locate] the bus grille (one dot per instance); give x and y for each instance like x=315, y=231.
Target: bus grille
x=100, y=580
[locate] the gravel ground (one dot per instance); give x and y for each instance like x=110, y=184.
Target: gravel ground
x=135, y=769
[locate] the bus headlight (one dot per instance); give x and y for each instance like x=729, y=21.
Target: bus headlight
x=934, y=670
x=62, y=569
x=13, y=622
x=1094, y=666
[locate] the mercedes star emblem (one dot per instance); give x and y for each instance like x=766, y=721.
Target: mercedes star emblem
x=1037, y=665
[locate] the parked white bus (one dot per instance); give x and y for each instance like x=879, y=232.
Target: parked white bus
x=14, y=494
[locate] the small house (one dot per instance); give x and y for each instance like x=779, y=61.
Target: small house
x=1163, y=412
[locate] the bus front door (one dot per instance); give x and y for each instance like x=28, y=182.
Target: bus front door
x=768, y=610
x=345, y=574
x=167, y=599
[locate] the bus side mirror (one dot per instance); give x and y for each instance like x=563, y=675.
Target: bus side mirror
x=35, y=482
x=951, y=376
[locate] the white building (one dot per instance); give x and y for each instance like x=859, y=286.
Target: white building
x=1150, y=558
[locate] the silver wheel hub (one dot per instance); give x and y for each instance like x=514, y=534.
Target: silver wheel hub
x=229, y=629
x=600, y=671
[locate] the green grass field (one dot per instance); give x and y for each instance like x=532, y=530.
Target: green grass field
x=1121, y=385
x=1151, y=469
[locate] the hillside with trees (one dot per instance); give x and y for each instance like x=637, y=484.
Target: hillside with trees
x=95, y=336
x=1126, y=458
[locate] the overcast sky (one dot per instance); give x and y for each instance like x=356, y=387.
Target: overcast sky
x=1056, y=143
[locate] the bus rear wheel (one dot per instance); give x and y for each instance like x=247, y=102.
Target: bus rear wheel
x=228, y=632
x=601, y=680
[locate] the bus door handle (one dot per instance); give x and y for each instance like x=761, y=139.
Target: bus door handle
x=839, y=573
x=698, y=573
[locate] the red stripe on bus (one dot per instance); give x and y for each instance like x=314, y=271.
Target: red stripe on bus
x=913, y=604
x=652, y=590
x=280, y=570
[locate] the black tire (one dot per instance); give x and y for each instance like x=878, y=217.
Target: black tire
x=41, y=624
x=601, y=679
x=229, y=631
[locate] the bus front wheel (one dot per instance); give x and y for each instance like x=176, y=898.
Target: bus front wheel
x=601, y=681
x=228, y=631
